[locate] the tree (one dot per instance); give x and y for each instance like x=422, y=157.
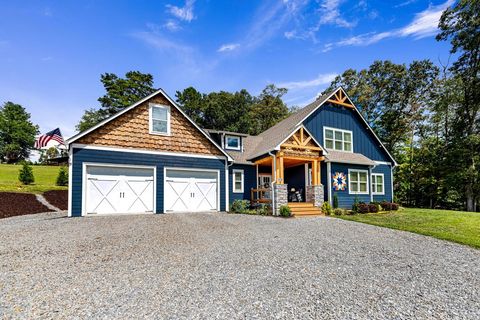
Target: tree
x=120, y=93
x=238, y=111
x=62, y=178
x=17, y=133
x=90, y=118
x=461, y=25
x=393, y=98
x=268, y=109
x=48, y=154
x=25, y=174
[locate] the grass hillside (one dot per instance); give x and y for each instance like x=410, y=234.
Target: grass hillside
x=45, y=177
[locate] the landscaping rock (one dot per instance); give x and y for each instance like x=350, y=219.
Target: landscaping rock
x=223, y=266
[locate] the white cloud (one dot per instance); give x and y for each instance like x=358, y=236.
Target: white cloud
x=184, y=13
x=330, y=14
x=171, y=25
x=183, y=54
x=405, y=3
x=423, y=25
x=322, y=79
x=228, y=47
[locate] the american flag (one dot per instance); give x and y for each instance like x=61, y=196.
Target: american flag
x=43, y=140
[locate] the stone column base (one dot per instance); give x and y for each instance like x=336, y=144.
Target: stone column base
x=314, y=194
x=280, y=194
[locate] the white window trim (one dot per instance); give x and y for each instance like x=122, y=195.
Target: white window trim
x=233, y=180
x=150, y=122
x=350, y=182
x=233, y=148
x=374, y=181
x=343, y=141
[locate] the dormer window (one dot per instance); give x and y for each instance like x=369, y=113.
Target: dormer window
x=159, y=119
x=232, y=142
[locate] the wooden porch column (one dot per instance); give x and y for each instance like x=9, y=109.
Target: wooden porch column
x=282, y=170
x=314, y=172
x=319, y=173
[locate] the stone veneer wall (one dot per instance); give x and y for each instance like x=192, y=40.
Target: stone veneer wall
x=314, y=194
x=280, y=194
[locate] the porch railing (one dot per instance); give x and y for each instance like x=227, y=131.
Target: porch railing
x=260, y=195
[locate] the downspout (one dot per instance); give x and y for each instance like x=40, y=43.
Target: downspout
x=274, y=179
x=227, y=185
x=391, y=178
x=370, y=168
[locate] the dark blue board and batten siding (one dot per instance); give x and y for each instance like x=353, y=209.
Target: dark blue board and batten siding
x=141, y=159
x=364, y=142
x=387, y=176
x=249, y=181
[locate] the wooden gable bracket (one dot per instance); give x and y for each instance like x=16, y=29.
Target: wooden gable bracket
x=341, y=98
x=301, y=140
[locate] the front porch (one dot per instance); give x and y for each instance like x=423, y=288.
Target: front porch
x=291, y=176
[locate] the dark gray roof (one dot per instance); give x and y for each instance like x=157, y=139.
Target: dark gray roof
x=273, y=136
x=348, y=157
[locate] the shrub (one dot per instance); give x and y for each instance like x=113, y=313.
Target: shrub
x=339, y=212
x=373, y=207
x=285, y=211
x=62, y=178
x=388, y=206
x=240, y=206
x=363, y=208
x=263, y=210
x=335, y=201
x=327, y=208
x=25, y=174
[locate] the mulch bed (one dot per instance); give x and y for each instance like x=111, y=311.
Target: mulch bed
x=15, y=204
x=58, y=198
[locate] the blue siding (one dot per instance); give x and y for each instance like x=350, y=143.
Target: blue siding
x=250, y=181
x=364, y=141
x=386, y=170
x=128, y=158
x=345, y=199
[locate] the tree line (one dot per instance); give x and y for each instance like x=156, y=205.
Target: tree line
x=427, y=115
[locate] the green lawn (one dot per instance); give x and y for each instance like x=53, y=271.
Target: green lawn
x=45, y=177
x=457, y=226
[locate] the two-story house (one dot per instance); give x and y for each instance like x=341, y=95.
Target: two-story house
x=152, y=158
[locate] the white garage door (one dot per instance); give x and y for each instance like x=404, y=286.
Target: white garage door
x=119, y=190
x=190, y=190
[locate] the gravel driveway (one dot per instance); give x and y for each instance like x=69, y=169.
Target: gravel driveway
x=184, y=266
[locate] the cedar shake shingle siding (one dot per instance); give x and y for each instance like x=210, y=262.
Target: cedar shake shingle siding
x=131, y=130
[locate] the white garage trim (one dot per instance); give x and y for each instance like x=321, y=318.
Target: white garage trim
x=70, y=178
x=194, y=170
x=114, y=165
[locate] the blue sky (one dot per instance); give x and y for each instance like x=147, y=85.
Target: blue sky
x=53, y=52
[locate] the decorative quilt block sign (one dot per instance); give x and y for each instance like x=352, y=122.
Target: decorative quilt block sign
x=339, y=181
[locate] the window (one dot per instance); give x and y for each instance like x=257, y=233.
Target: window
x=358, y=181
x=264, y=180
x=232, y=142
x=378, y=183
x=238, y=181
x=339, y=140
x=159, y=119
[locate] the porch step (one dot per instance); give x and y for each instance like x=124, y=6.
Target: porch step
x=304, y=209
